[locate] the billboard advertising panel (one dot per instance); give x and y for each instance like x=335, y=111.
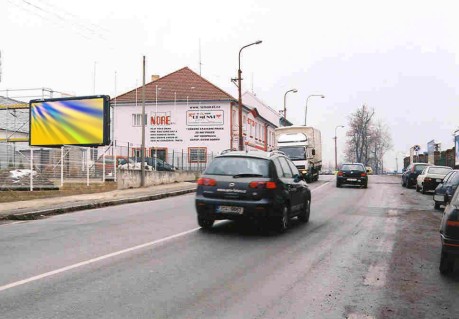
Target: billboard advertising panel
x=80, y=121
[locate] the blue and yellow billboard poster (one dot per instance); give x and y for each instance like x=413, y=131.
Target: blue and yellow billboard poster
x=82, y=121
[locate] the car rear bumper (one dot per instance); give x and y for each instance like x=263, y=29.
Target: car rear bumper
x=439, y=198
x=352, y=180
x=208, y=208
x=430, y=186
x=450, y=245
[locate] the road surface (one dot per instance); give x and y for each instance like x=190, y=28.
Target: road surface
x=366, y=253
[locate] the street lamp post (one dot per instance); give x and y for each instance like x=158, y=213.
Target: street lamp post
x=285, y=105
x=306, y=109
x=239, y=73
x=336, y=148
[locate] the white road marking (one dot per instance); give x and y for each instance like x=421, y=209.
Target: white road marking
x=326, y=183
x=13, y=223
x=359, y=316
x=90, y=261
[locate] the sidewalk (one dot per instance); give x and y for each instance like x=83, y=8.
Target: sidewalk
x=36, y=208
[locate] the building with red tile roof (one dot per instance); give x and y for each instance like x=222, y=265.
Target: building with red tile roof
x=187, y=113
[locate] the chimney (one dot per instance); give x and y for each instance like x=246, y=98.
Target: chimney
x=154, y=77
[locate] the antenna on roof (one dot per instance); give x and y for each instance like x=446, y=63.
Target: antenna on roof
x=200, y=62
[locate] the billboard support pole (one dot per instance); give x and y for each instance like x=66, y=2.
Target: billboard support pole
x=88, y=151
x=62, y=166
x=103, y=166
x=31, y=169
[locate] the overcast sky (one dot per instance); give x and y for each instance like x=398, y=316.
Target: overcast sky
x=398, y=57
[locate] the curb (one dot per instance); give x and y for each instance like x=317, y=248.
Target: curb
x=78, y=207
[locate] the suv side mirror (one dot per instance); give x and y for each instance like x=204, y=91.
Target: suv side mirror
x=297, y=178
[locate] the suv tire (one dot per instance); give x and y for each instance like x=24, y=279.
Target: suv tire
x=423, y=189
x=306, y=211
x=417, y=188
x=205, y=223
x=436, y=205
x=281, y=222
x=446, y=264
x=338, y=184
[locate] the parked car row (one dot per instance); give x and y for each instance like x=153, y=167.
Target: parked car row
x=443, y=181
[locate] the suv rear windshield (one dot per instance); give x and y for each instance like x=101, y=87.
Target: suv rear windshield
x=419, y=168
x=439, y=170
x=233, y=165
x=352, y=167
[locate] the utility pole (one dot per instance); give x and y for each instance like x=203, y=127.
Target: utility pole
x=142, y=151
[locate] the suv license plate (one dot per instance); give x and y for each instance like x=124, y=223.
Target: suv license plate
x=438, y=180
x=352, y=179
x=230, y=209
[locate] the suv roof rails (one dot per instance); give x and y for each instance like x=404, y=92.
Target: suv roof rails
x=273, y=152
x=227, y=151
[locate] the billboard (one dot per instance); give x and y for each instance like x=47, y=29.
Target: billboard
x=82, y=121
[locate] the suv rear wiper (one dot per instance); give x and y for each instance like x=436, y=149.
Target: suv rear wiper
x=247, y=175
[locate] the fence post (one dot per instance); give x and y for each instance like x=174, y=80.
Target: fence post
x=31, y=169
x=182, y=159
x=62, y=166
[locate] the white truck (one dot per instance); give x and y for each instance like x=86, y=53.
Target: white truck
x=303, y=145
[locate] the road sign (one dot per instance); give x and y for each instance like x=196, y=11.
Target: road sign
x=416, y=148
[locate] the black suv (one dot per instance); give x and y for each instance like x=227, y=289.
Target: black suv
x=264, y=186
x=411, y=173
x=352, y=173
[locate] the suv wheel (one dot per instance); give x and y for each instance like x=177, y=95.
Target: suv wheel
x=281, y=222
x=436, y=205
x=417, y=188
x=423, y=189
x=403, y=183
x=446, y=264
x=338, y=184
x=205, y=223
x=304, y=215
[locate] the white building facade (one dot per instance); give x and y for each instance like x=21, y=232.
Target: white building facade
x=189, y=120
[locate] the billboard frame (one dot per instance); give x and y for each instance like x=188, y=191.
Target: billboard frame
x=105, y=120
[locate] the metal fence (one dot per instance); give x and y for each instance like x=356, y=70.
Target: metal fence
x=29, y=168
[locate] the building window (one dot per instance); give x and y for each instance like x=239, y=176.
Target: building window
x=197, y=154
x=137, y=119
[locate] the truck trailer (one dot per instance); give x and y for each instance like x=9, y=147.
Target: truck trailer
x=303, y=145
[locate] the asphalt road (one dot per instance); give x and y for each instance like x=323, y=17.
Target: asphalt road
x=366, y=253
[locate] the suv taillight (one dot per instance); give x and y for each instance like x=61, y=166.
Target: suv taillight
x=207, y=181
x=267, y=185
x=340, y=173
x=363, y=174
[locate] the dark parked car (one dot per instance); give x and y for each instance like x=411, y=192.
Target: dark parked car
x=264, y=186
x=156, y=164
x=449, y=231
x=353, y=174
x=445, y=189
x=411, y=173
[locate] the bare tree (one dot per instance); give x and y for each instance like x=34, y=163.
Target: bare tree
x=358, y=135
x=367, y=142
